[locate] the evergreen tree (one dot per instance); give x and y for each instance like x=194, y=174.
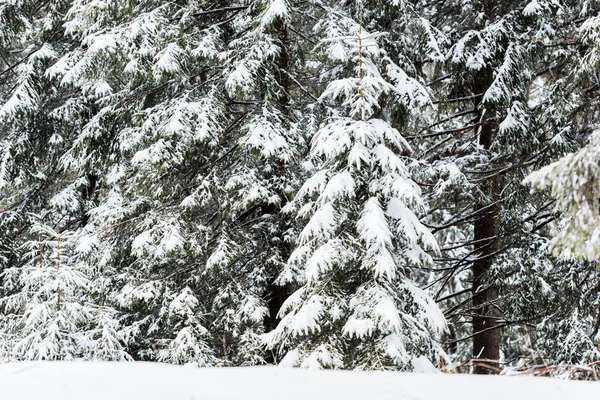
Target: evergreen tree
x=355, y=306
x=176, y=160
x=46, y=310
x=240, y=183
x=496, y=124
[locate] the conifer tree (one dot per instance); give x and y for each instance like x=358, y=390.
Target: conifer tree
x=494, y=126
x=45, y=311
x=355, y=306
x=219, y=177
x=573, y=180
x=260, y=176
x=179, y=159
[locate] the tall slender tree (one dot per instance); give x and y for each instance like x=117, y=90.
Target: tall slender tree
x=355, y=306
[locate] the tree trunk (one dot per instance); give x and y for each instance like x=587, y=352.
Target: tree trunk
x=276, y=294
x=485, y=312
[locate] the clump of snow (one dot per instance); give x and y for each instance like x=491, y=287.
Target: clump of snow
x=147, y=381
x=422, y=365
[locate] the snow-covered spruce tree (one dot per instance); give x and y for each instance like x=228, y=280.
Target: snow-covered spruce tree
x=146, y=106
x=261, y=175
x=536, y=292
x=28, y=144
x=104, y=336
x=45, y=310
x=186, y=347
x=182, y=123
x=573, y=213
x=490, y=72
x=573, y=180
x=38, y=323
x=47, y=301
x=355, y=306
x=494, y=126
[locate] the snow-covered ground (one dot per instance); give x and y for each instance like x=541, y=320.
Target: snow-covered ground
x=145, y=381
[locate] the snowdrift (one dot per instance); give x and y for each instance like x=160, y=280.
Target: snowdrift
x=146, y=381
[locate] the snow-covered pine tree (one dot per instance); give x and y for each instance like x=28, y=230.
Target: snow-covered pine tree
x=488, y=75
x=104, y=335
x=29, y=142
x=534, y=284
x=187, y=164
x=145, y=103
x=355, y=306
x=494, y=126
x=188, y=347
x=44, y=309
x=572, y=213
x=48, y=306
x=31, y=180
x=573, y=180
x=260, y=175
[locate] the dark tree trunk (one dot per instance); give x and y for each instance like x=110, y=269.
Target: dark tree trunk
x=485, y=311
x=276, y=294
x=283, y=65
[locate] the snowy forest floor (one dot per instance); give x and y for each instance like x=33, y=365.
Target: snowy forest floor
x=153, y=381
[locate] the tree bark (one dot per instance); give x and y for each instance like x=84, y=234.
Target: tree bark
x=485, y=312
x=276, y=294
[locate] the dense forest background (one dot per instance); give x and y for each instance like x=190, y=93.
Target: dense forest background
x=332, y=184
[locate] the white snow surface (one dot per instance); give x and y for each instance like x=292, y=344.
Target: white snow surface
x=153, y=381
